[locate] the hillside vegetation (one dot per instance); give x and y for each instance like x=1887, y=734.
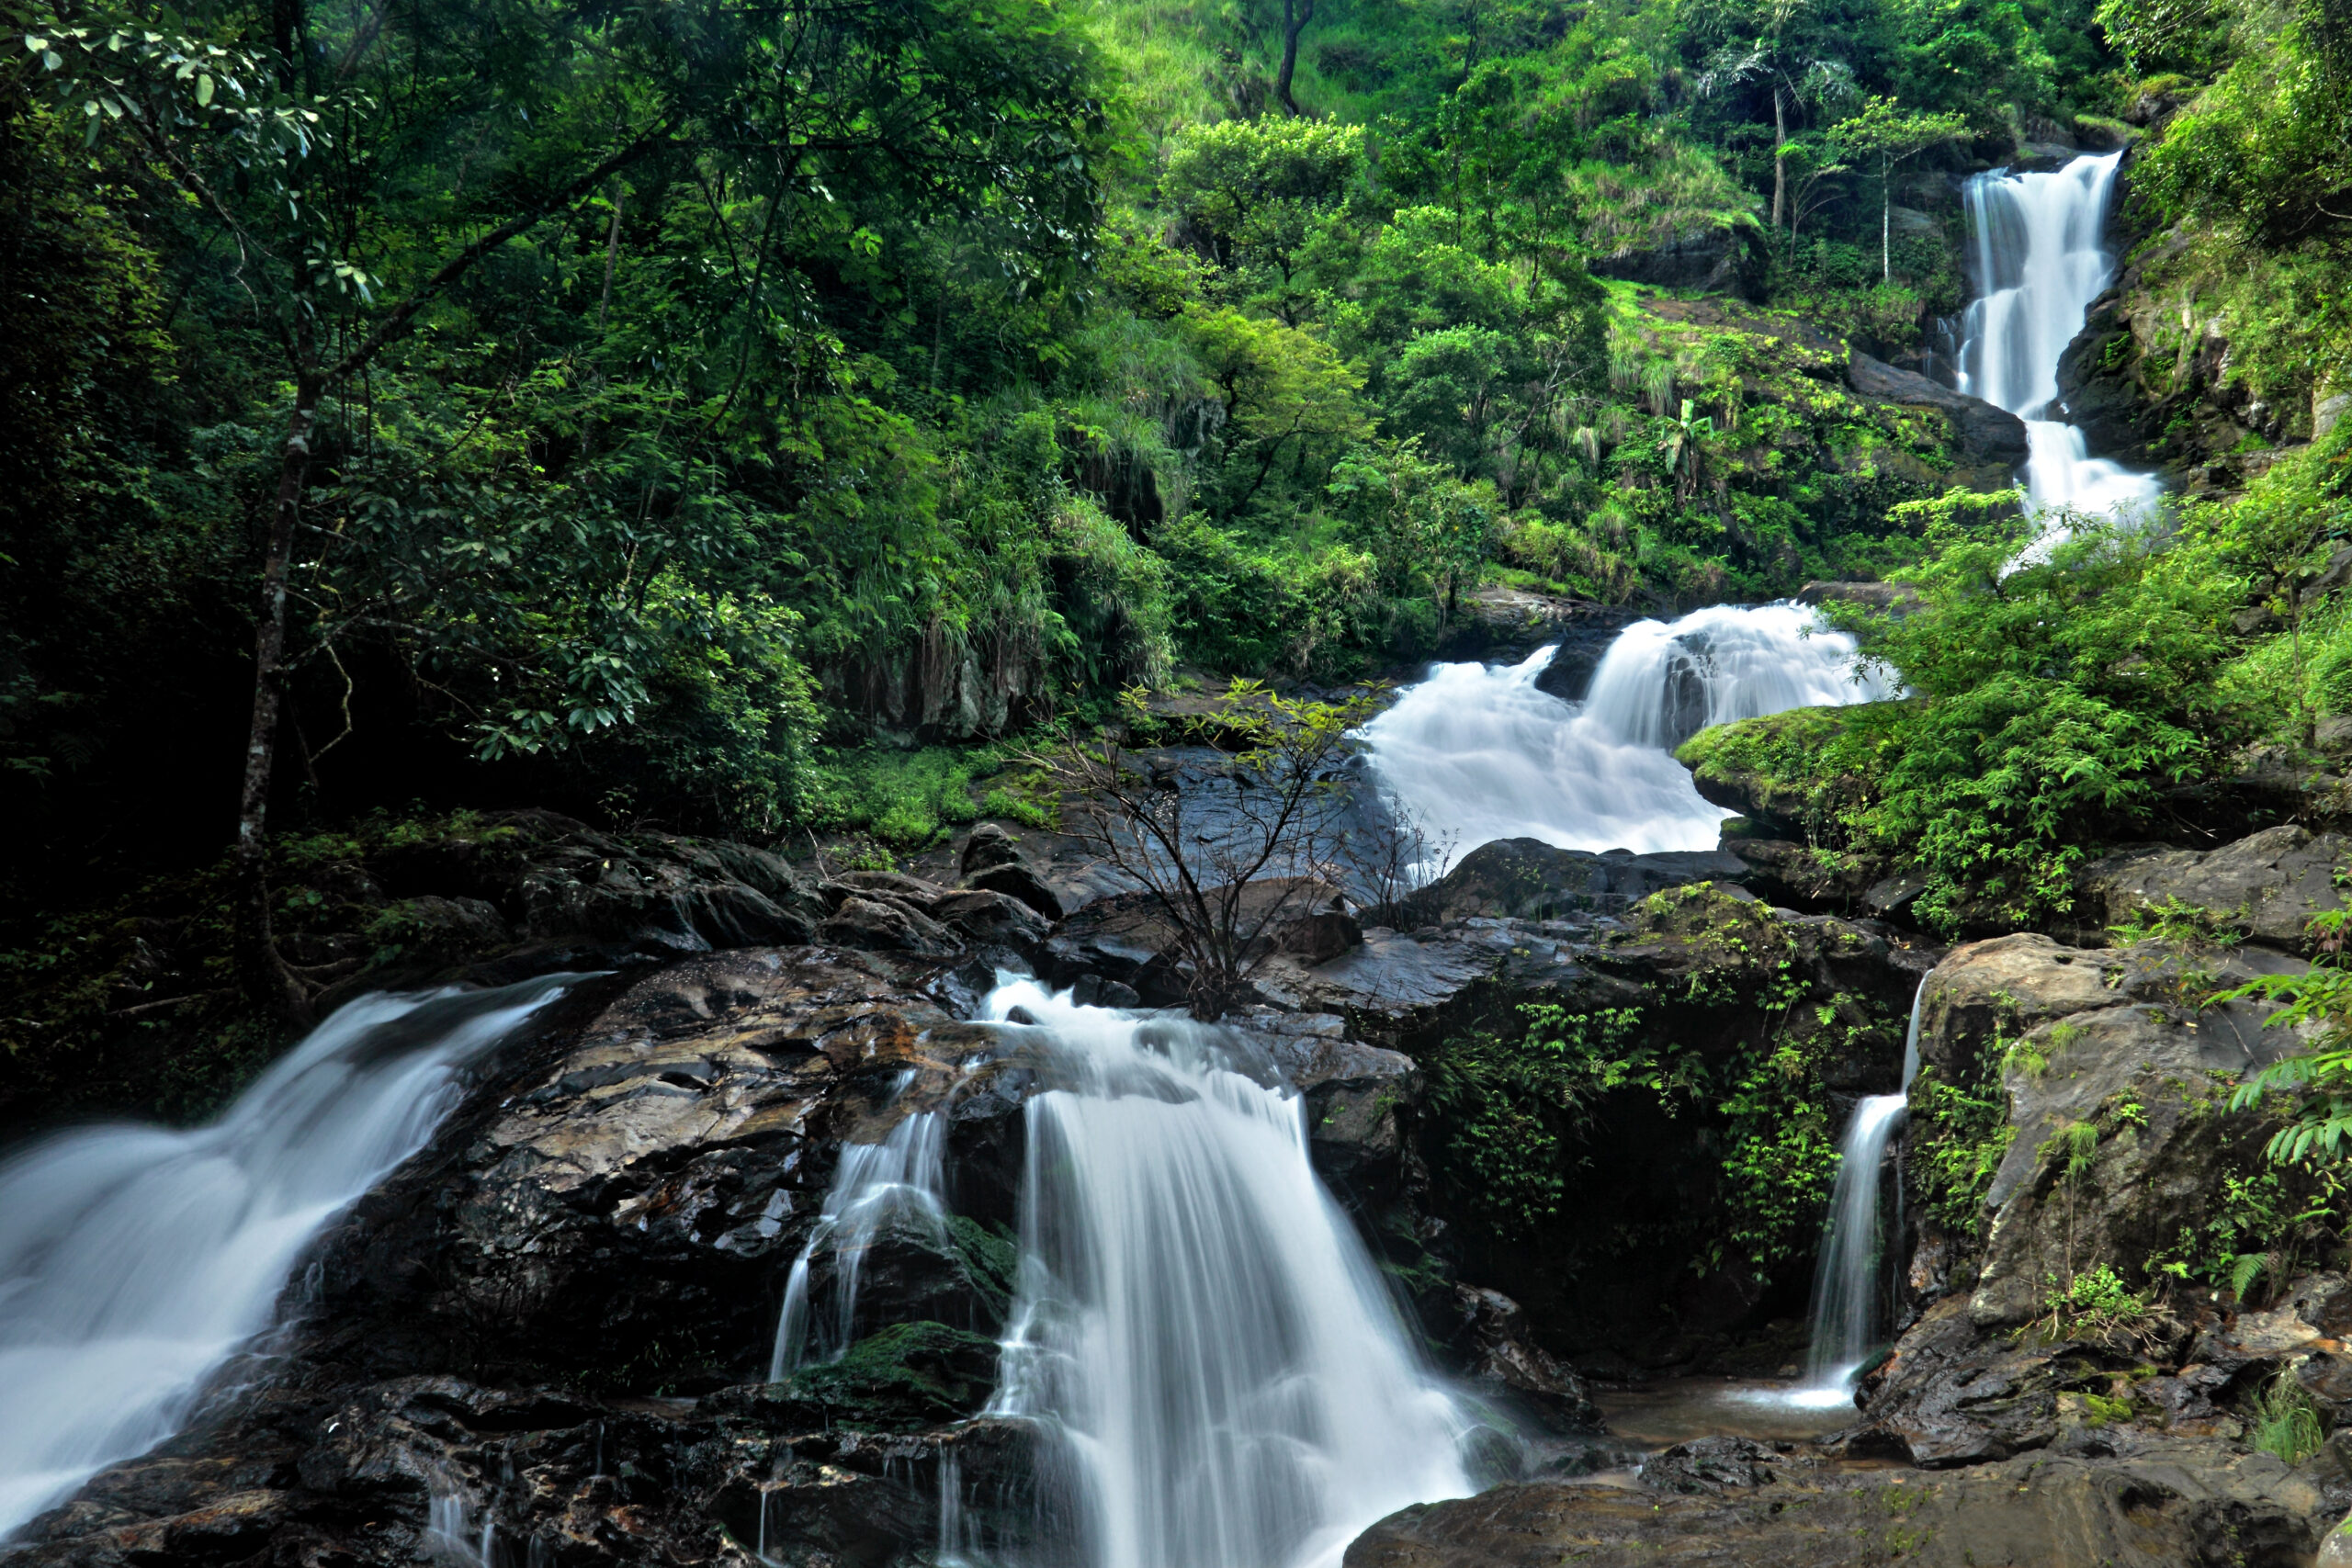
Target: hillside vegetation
x=648, y=411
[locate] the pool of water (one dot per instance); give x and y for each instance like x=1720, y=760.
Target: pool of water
x=1675, y=1410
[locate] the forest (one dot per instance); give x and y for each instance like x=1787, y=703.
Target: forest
x=612, y=408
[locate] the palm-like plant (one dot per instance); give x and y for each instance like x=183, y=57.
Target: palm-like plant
x=1684, y=456
x=1798, y=69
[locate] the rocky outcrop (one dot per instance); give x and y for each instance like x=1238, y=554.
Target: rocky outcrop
x=1990, y=443
x=1529, y=879
x=2264, y=888
x=2155, y=1503
x=1710, y=260
x=2112, y=1146
x=554, y=1325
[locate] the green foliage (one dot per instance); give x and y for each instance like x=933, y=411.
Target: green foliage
x=2261, y=1226
x=2285, y=1419
x=2095, y=1300
x=1513, y=1110
x=2051, y=697
x=1958, y=1135
x=1781, y=1159
x=2315, y=1082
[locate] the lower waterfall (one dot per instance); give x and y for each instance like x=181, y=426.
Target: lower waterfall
x=1214, y=1367
x=1850, y=1281
x=1480, y=753
x=136, y=1262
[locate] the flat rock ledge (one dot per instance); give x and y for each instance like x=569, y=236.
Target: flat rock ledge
x=2155, y=1503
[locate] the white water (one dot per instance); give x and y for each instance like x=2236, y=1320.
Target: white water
x=1217, y=1374
x=1849, y=1281
x=2040, y=259
x=898, y=1180
x=135, y=1261
x=1478, y=752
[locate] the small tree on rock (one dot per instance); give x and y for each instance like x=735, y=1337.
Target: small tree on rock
x=1229, y=876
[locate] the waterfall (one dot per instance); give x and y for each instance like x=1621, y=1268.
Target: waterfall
x=1216, y=1370
x=1480, y=753
x=135, y=1261
x=1850, y=1279
x=2040, y=258
x=898, y=1180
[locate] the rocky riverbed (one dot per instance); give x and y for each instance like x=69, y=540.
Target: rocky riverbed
x=550, y=1332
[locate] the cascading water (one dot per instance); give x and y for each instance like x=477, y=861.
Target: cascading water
x=2041, y=258
x=1480, y=753
x=1849, y=1281
x=135, y=1261
x=1216, y=1372
x=897, y=1180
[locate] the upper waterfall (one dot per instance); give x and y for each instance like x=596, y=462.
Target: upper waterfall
x=1481, y=753
x=2039, y=257
x=135, y=1261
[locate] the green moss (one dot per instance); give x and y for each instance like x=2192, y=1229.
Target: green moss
x=908, y=1376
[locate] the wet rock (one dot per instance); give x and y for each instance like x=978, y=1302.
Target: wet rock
x=2267, y=886
x=1529, y=879
x=911, y=890
x=991, y=845
x=1319, y=937
x=992, y=919
x=1496, y=1348
x=2164, y=1503
x=1798, y=876
x=1711, y=1464
x=887, y=925
x=1017, y=880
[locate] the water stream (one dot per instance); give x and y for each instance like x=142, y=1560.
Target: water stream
x=135, y=1261
x=1479, y=752
x=2040, y=258
x=1850, y=1281
x=1216, y=1372
x=898, y=1180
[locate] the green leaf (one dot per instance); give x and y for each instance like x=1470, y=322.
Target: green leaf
x=204, y=91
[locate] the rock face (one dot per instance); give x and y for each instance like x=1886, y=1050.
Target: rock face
x=2111, y=1147
x=1709, y=260
x=2157, y=1504
x=2267, y=887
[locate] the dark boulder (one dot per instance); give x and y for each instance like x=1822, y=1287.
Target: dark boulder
x=1990, y=442
x=1017, y=880
x=889, y=925
x=1529, y=879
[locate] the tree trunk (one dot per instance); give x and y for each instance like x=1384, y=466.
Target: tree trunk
x=1886, y=223
x=268, y=985
x=1294, y=19
x=1779, y=155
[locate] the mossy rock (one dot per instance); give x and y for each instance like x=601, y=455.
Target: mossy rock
x=1783, y=771
x=907, y=1377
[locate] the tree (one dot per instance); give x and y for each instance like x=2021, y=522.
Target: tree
x=1797, y=62
x=293, y=155
x=1226, y=878
x=1252, y=189
x=1888, y=134
x=1296, y=14
x=1279, y=384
